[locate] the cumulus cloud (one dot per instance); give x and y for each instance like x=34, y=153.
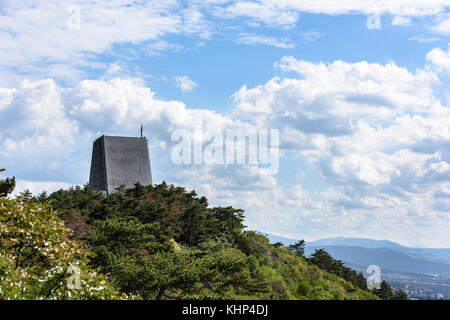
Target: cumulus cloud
x=376, y=134
x=36, y=130
x=440, y=59
x=352, y=91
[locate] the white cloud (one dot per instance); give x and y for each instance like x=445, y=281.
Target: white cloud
x=43, y=120
x=399, y=7
x=443, y=24
x=352, y=91
x=195, y=22
x=185, y=84
x=285, y=13
x=310, y=35
x=262, y=12
x=34, y=33
x=254, y=39
x=114, y=68
x=424, y=39
x=401, y=21
x=376, y=134
x=440, y=59
x=441, y=167
x=37, y=41
x=158, y=47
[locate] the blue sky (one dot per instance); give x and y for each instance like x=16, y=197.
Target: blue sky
x=362, y=108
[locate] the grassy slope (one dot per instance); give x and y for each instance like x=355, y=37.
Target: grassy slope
x=290, y=277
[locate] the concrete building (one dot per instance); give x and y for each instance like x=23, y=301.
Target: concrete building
x=119, y=161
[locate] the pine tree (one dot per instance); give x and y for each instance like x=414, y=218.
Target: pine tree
x=298, y=248
x=399, y=295
x=7, y=186
x=385, y=292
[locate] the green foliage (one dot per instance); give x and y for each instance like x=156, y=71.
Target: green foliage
x=325, y=261
x=304, y=288
x=141, y=259
x=228, y=218
x=385, y=292
x=399, y=295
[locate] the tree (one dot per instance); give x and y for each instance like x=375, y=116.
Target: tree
x=194, y=218
x=229, y=218
x=278, y=244
x=298, y=248
x=385, y=292
x=360, y=281
x=157, y=275
x=399, y=295
x=7, y=186
x=323, y=260
x=152, y=268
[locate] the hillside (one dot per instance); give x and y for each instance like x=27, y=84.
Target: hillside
x=423, y=273
x=162, y=242
x=355, y=242
x=387, y=254
x=164, y=222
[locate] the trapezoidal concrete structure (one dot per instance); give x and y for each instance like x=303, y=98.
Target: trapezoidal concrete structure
x=119, y=161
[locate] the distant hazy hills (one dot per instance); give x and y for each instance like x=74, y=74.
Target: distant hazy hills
x=386, y=254
x=356, y=242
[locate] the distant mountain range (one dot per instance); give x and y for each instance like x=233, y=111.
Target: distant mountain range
x=384, y=253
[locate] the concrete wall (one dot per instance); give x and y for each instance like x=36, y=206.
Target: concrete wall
x=122, y=160
x=97, y=177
